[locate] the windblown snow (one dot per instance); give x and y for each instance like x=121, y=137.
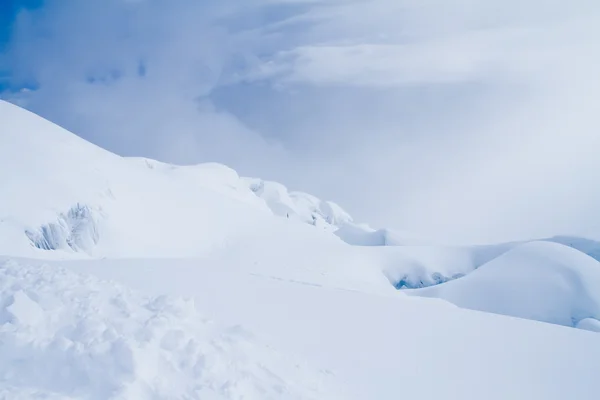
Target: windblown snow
x=127, y=278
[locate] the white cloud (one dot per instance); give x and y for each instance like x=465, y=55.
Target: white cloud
x=468, y=119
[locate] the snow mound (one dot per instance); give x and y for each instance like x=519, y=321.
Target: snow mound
x=66, y=336
x=589, y=324
x=416, y=265
x=420, y=266
x=543, y=281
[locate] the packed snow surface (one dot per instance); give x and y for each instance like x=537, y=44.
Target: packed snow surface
x=131, y=278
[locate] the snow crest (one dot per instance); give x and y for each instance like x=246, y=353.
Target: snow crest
x=65, y=335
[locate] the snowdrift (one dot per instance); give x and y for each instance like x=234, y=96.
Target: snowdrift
x=542, y=281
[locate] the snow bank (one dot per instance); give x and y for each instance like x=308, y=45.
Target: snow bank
x=64, y=335
x=542, y=281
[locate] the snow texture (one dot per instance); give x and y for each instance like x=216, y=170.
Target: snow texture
x=67, y=336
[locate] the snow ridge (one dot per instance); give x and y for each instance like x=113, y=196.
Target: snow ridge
x=326, y=215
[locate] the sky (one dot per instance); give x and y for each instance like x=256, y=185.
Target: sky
x=466, y=121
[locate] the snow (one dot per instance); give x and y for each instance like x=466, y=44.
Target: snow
x=131, y=203
x=22, y=310
x=374, y=344
x=98, y=340
x=131, y=278
x=298, y=205
x=587, y=246
x=543, y=281
x=364, y=235
x=327, y=215
x=589, y=324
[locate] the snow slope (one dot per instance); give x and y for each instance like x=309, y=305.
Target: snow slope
x=285, y=295
x=70, y=196
x=78, y=198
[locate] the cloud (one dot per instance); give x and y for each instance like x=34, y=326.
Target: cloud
x=462, y=119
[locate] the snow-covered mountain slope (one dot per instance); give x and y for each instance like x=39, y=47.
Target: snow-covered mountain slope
x=312, y=294
x=69, y=198
x=69, y=195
